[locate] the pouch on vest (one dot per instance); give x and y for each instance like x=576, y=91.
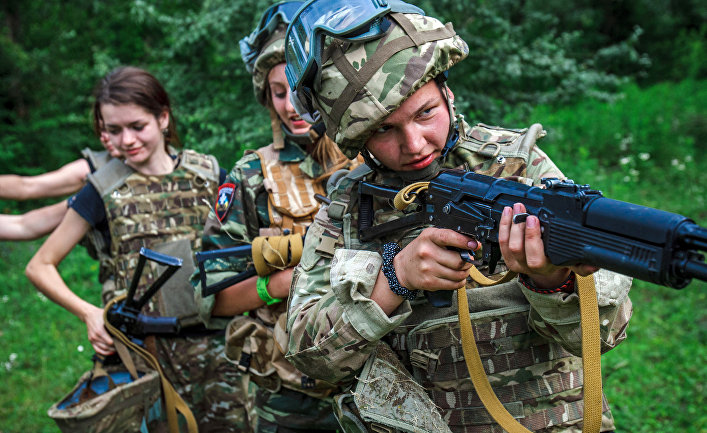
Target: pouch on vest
x=109, y=400
x=176, y=297
x=388, y=399
x=258, y=349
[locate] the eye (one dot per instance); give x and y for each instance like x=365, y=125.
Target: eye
x=383, y=129
x=139, y=127
x=280, y=95
x=113, y=131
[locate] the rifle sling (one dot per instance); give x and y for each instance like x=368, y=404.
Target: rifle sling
x=173, y=402
x=591, y=360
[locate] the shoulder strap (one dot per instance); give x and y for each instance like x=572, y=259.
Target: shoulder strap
x=201, y=164
x=110, y=176
x=96, y=159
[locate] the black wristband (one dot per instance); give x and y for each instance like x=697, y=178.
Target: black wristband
x=390, y=250
x=567, y=286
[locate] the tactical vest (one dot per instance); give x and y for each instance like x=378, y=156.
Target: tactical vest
x=291, y=203
x=93, y=241
x=258, y=343
x=164, y=213
x=539, y=382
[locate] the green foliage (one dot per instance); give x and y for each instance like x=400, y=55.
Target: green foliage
x=652, y=136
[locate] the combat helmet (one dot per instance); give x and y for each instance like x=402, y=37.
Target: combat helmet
x=263, y=49
x=360, y=60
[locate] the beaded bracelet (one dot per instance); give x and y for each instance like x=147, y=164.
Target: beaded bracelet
x=261, y=286
x=567, y=286
x=390, y=250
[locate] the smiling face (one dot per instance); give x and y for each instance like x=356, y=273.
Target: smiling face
x=280, y=98
x=415, y=134
x=135, y=132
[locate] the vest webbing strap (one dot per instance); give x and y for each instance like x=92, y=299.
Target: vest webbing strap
x=173, y=402
x=591, y=361
x=271, y=253
x=358, y=79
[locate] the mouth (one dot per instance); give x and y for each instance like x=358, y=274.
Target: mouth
x=419, y=163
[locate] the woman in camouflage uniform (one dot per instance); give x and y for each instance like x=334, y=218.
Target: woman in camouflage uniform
x=270, y=192
x=151, y=199
x=352, y=300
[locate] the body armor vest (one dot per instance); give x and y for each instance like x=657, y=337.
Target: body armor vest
x=164, y=213
x=258, y=342
x=291, y=203
x=96, y=246
x=529, y=374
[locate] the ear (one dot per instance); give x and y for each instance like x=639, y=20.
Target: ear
x=163, y=120
x=451, y=94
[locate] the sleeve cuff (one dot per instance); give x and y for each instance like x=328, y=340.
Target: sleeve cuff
x=353, y=276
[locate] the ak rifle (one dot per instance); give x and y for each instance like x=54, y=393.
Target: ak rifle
x=579, y=225
x=126, y=314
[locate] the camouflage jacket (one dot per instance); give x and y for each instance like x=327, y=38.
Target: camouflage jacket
x=248, y=214
x=334, y=326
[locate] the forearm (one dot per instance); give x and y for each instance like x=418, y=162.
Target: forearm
x=244, y=296
x=46, y=279
x=333, y=323
x=12, y=187
x=557, y=316
x=33, y=224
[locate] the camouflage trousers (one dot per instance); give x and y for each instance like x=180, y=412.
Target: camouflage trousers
x=288, y=411
x=213, y=388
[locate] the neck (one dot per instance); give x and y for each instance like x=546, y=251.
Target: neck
x=160, y=163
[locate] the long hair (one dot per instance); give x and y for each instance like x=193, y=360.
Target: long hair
x=131, y=85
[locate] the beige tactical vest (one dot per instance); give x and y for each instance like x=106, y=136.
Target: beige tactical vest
x=291, y=203
x=538, y=382
x=164, y=213
x=259, y=343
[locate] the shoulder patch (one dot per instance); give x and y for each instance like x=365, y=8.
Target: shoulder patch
x=224, y=200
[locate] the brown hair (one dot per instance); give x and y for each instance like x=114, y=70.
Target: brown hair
x=131, y=85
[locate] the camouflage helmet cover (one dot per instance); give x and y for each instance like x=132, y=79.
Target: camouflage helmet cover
x=390, y=84
x=272, y=54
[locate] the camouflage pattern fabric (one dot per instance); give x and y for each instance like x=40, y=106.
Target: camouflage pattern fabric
x=272, y=53
x=152, y=211
x=206, y=380
x=282, y=398
x=529, y=342
x=388, y=86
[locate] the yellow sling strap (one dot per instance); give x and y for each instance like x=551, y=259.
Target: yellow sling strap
x=173, y=402
x=591, y=340
x=591, y=361
x=271, y=253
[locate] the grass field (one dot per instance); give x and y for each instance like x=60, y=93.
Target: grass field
x=647, y=148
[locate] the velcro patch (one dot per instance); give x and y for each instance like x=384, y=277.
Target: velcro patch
x=224, y=200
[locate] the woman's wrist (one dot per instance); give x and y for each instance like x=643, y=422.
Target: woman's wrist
x=542, y=284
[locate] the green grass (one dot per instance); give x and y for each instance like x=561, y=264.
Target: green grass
x=654, y=380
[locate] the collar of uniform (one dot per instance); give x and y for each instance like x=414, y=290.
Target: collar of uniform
x=294, y=153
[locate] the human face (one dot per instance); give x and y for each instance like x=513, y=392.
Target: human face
x=413, y=136
x=135, y=132
x=280, y=97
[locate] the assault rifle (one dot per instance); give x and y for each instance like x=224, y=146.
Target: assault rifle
x=125, y=315
x=579, y=225
x=203, y=256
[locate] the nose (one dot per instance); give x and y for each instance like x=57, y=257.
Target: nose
x=127, y=137
x=288, y=103
x=412, y=140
